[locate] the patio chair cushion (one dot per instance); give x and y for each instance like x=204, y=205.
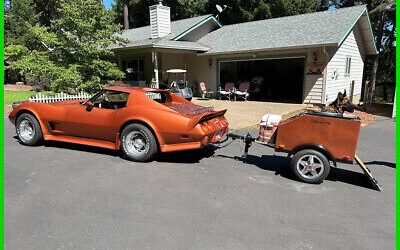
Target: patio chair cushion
x=204, y=89
x=229, y=86
x=244, y=86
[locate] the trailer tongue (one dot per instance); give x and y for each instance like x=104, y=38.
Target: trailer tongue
x=313, y=139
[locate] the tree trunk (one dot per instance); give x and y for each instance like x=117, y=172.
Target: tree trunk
x=126, y=16
x=373, y=77
x=379, y=36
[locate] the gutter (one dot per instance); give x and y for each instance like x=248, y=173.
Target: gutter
x=156, y=46
x=268, y=49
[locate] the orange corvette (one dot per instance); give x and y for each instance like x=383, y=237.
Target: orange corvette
x=139, y=121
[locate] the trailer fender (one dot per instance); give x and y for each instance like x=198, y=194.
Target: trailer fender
x=319, y=148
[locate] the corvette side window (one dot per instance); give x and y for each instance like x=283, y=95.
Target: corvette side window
x=111, y=100
x=159, y=97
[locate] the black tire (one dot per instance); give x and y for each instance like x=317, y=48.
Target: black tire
x=33, y=138
x=145, y=135
x=309, y=172
x=189, y=99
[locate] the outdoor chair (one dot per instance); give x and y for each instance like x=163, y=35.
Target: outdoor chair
x=227, y=91
x=204, y=91
x=243, y=91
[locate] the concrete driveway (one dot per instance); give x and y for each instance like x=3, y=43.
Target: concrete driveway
x=64, y=196
x=242, y=114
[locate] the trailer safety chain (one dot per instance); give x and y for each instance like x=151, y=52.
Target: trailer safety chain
x=222, y=141
x=247, y=139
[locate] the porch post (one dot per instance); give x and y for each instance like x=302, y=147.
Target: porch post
x=154, y=55
x=394, y=104
x=119, y=62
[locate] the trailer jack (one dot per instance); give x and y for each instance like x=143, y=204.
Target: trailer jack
x=247, y=139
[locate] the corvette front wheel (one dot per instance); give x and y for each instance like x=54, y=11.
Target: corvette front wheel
x=28, y=129
x=138, y=143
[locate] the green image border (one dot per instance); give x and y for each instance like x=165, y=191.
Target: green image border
x=397, y=134
x=3, y=120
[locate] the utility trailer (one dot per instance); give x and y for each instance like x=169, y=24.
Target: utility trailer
x=313, y=140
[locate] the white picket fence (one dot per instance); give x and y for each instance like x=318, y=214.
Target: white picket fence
x=58, y=97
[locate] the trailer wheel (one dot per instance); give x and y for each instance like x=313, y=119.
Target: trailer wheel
x=310, y=166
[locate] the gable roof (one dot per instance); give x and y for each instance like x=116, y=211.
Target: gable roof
x=326, y=28
x=140, y=37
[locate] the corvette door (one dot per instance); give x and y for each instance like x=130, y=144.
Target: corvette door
x=98, y=123
x=101, y=120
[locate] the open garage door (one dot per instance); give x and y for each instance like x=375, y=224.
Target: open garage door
x=276, y=80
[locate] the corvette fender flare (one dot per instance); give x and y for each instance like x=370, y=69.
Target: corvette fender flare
x=144, y=122
x=316, y=147
x=31, y=110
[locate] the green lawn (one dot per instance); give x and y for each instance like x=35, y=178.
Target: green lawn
x=11, y=96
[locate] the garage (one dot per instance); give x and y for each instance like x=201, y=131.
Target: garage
x=277, y=79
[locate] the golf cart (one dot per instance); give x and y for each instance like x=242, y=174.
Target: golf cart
x=179, y=86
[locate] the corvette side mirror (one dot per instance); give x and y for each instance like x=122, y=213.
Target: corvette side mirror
x=89, y=106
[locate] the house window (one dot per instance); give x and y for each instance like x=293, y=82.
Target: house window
x=348, y=66
x=134, y=70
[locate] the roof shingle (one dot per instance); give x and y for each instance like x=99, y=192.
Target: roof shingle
x=319, y=28
x=139, y=37
x=306, y=30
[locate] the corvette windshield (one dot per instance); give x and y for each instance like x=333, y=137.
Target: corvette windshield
x=109, y=99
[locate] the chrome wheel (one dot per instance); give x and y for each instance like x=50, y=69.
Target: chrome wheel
x=310, y=166
x=26, y=130
x=137, y=143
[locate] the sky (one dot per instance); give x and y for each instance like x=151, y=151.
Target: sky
x=107, y=3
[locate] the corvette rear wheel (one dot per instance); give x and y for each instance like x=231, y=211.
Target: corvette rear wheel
x=138, y=143
x=28, y=129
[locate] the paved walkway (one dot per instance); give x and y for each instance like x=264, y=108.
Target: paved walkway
x=245, y=114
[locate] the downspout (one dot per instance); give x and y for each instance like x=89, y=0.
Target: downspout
x=324, y=97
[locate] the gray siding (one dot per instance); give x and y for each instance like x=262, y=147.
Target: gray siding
x=352, y=46
x=160, y=21
x=313, y=89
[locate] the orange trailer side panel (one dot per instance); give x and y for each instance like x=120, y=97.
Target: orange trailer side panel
x=338, y=136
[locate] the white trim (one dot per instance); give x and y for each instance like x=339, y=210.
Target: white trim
x=268, y=49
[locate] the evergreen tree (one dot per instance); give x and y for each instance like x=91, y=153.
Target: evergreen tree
x=20, y=16
x=139, y=10
x=71, y=54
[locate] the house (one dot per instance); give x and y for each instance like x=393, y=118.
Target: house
x=305, y=58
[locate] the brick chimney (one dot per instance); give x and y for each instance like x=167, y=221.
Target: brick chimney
x=160, y=20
